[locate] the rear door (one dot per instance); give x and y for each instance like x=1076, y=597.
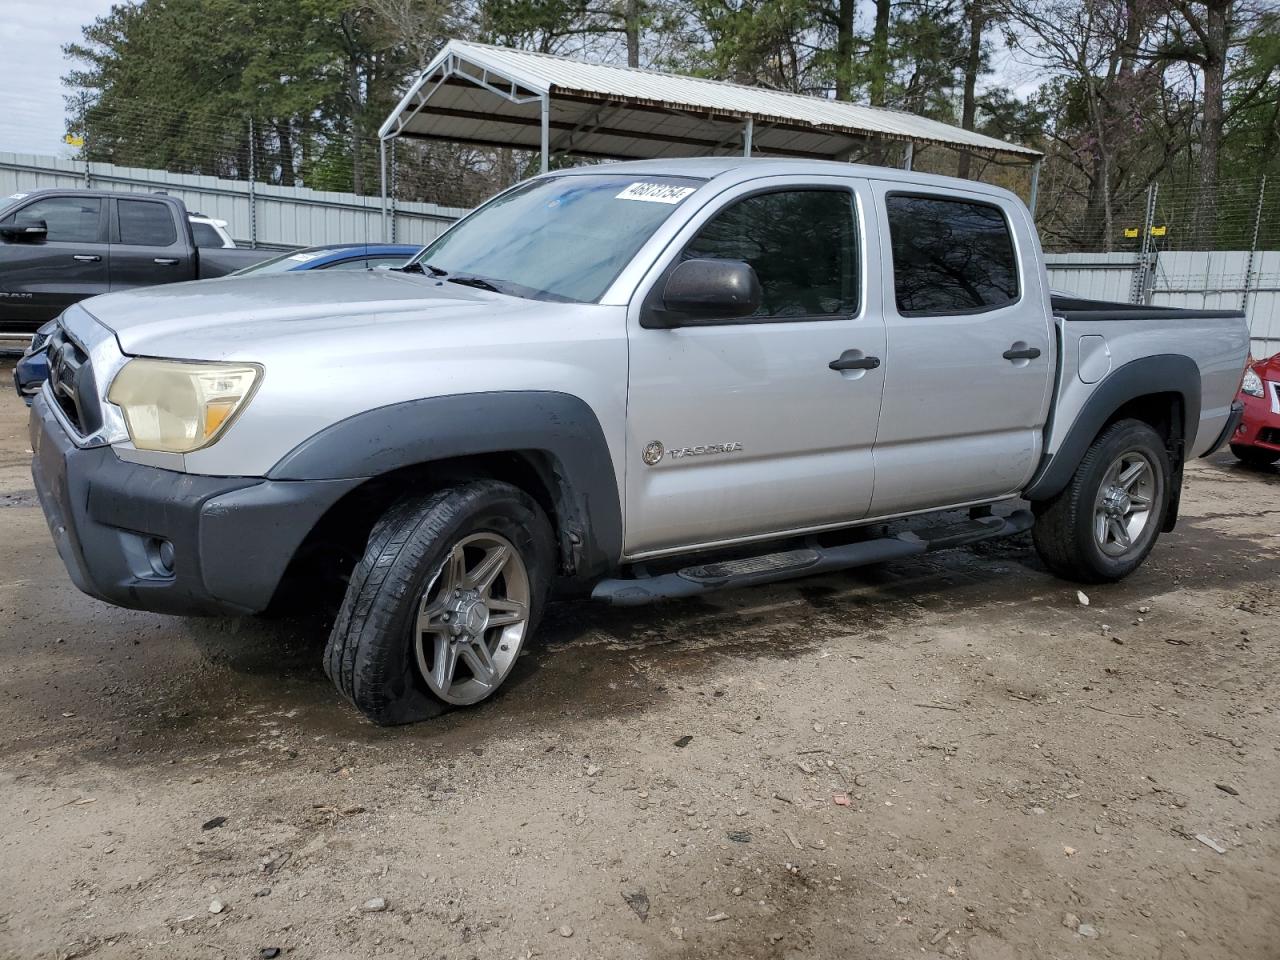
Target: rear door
x=740, y=428
x=970, y=359
x=146, y=245
x=38, y=280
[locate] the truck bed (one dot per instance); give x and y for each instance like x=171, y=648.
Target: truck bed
x=1078, y=309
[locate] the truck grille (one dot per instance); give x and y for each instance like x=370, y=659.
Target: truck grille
x=72, y=384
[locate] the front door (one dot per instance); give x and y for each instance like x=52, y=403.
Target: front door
x=970, y=358
x=39, y=279
x=147, y=247
x=741, y=428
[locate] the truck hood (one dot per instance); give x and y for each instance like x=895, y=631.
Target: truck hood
x=229, y=317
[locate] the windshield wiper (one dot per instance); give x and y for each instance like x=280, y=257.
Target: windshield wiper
x=480, y=283
x=423, y=268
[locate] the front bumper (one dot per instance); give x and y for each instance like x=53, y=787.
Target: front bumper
x=151, y=539
x=1260, y=426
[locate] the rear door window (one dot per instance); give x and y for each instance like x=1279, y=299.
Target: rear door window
x=145, y=223
x=69, y=219
x=950, y=256
x=802, y=245
x=205, y=236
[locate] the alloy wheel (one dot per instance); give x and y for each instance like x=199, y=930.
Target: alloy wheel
x=1125, y=504
x=472, y=619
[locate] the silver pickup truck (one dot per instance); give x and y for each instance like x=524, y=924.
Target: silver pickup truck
x=631, y=382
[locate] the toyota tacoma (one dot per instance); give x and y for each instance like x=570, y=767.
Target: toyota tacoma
x=628, y=382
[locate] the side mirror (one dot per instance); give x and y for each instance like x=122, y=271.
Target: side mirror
x=702, y=291
x=29, y=231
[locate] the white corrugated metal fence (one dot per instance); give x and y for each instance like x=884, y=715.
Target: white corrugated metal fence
x=267, y=215
x=1197, y=279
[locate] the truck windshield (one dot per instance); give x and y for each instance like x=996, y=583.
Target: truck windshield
x=559, y=238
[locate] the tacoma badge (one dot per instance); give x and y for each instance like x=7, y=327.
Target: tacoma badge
x=703, y=449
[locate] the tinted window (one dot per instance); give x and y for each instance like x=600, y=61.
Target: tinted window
x=205, y=235
x=145, y=223
x=950, y=256
x=357, y=263
x=801, y=244
x=71, y=219
x=366, y=263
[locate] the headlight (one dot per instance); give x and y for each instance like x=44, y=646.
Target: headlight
x=1251, y=384
x=177, y=407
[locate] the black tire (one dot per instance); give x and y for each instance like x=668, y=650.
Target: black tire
x=371, y=656
x=1254, y=456
x=1064, y=531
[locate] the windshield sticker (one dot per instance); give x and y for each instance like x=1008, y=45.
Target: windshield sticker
x=304, y=257
x=655, y=193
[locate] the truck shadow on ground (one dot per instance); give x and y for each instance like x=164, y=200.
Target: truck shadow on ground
x=198, y=687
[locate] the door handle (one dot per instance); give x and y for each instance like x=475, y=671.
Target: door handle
x=86, y=257
x=166, y=261
x=848, y=361
x=1030, y=353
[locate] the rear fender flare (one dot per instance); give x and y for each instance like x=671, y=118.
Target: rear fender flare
x=1162, y=373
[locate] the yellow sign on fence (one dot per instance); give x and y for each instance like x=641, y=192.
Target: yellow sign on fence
x=74, y=140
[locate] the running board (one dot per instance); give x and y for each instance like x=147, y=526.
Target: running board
x=805, y=561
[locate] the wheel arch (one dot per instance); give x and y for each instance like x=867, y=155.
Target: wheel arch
x=1162, y=391
x=549, y=444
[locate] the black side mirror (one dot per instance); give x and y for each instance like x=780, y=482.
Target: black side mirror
x=28, y=231
x=705, y=291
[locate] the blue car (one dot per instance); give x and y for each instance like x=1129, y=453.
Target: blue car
x=334, y=256
x=33, y=369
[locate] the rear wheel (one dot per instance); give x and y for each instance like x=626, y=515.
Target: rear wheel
x=1254, y=456
x=1103, y=525
x=438, y=609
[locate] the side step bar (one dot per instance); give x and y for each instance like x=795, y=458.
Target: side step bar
x=804, y=562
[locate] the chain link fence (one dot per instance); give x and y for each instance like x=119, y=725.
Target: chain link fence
x=1237, y=214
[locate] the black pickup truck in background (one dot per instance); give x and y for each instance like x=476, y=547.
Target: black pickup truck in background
x=61, y=246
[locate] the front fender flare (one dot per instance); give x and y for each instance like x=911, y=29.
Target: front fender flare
x=560, y=426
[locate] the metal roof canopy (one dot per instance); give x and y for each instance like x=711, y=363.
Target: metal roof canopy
x=498, y=97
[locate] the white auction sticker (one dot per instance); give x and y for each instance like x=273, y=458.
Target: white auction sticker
x=655, y=192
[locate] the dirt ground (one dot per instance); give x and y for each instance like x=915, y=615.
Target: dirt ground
x=947, y=757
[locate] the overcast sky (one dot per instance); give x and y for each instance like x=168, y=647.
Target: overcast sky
x=32, y=33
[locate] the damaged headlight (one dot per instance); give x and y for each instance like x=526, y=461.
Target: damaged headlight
x=176, y=406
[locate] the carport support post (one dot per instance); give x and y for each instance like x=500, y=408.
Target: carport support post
x=747, y=133
x=910, y=157
x=1035, y=187
x=546, y=131
x=382, y=162
x=253, y=193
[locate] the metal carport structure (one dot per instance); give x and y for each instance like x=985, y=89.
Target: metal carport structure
x=489, y=96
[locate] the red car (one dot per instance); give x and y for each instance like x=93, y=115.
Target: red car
x=1257, y=439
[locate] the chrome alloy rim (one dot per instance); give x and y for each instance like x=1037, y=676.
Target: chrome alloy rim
x=472, y=619
x=1126, y=499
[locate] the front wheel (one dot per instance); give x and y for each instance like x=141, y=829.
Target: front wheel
x=449, y=588
x=1103, y=525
